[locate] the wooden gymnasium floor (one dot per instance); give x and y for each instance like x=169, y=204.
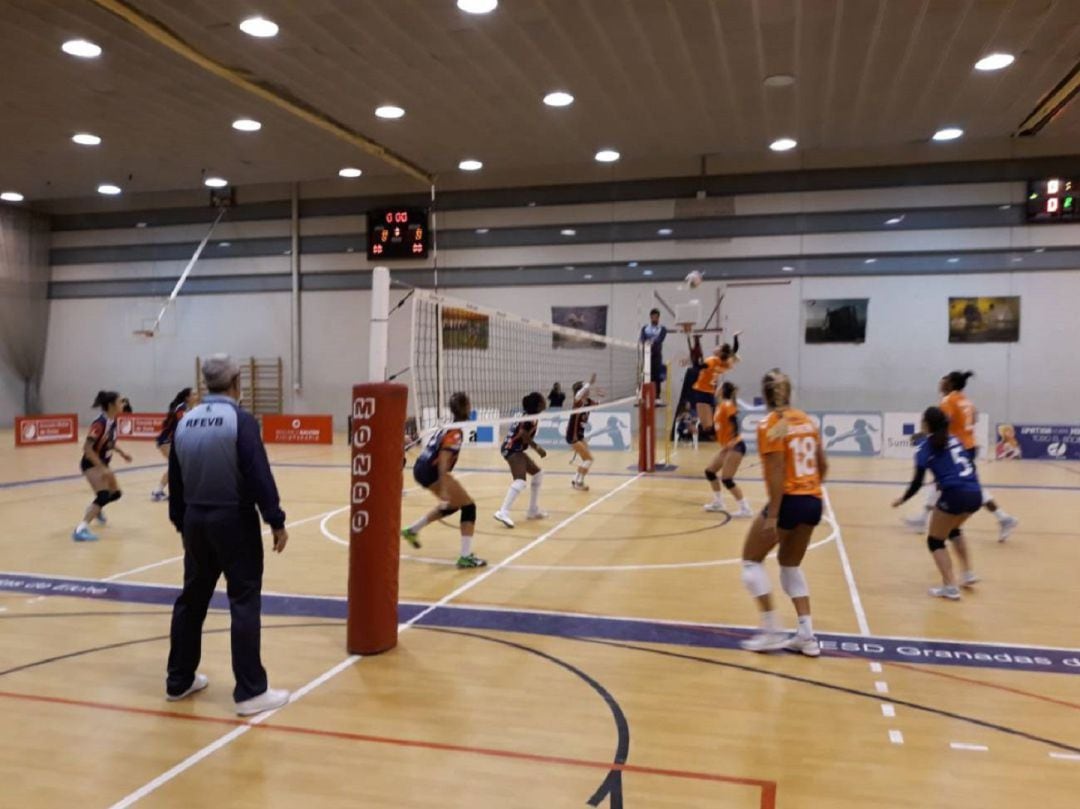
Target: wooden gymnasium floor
x=592, y=664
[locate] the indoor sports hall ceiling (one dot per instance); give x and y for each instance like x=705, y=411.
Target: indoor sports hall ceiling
x=666, y=83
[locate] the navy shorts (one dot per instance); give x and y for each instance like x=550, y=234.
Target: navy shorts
x=960, y=501
x=701, y=397
x=972, y=453
x=798, y=509
x=740, y=448
x=426, y=475
x=85, y=465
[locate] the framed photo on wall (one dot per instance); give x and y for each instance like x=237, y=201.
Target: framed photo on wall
x=836, y=320
x=984, y=320
x=583, y=318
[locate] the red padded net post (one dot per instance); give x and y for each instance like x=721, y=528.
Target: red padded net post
x=378, y=429
x=647, y=433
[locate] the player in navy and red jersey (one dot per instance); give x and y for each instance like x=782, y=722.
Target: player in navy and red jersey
x=727, y=459
x=522, y=436
x=575, y=432
x=960, y=496
x=433, y=470
x=97, y=452
x=181, y=403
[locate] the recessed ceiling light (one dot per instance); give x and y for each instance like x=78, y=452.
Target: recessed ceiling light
x=568, y=232
x=259, y=27
x=140, y=224
x=870, y=261
x=478, y=6
x=1040, y=249
x=108, y=189
x=664, y=232
x=1004, y=207
x=559, y=98
x=86, y=139
x=482, y=231
x=350, y=249
x=12, y=196
x=587, y=277
x=470, y=165
x=607, y=156
x=224, y=244
x=896, y=220
x=1017, y=259
x=995, y=61
x=646, y=272
x=948, y=133
x=389, y=111
x=215, y=182
x=568, y=267
x=953, y=260
x=246, y=125
x=631, y=264
x=531, y=205
x=787, y=268
x=82, y=48
x=779, y=80
x=783, y=144
x=349, y=172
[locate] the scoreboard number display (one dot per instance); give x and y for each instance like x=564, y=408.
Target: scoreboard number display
x=397, y=233
x=1053, y=200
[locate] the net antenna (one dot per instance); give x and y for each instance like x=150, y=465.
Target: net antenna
x=152, y=330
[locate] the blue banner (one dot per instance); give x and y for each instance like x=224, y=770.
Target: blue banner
x=1057, y=442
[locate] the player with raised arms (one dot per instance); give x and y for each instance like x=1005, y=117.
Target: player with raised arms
x=713, y=367
x=433, y=471
x=732, y=451
x=960, y=496
x=522, y=436
x=575, y=432
x=97, y=452
x=794, y=469
x=181, y=403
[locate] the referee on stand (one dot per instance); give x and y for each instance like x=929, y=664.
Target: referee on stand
x=218, y=474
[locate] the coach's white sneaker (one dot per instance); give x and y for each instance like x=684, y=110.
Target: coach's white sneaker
x=1005, y=527
x=807, y=646
x=268, y=700
x=952, y=592
x=715, y=505
x=198, y=684
x=766, y=642
x=504, y=518
x=969, y=578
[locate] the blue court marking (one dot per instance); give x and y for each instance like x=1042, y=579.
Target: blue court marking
x=882, y=649
x=15, y=484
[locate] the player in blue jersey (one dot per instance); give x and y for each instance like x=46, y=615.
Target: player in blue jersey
x=97, y=452
x=960, y=497
x=522, y=436
x=433, y=470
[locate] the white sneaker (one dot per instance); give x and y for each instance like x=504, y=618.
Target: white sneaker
x=1006, y=526
x=504, y=519
x=952, y=592
x=539, y=514
x=918, y=524
x=766, y=642
x=807, y=646
x=969, y=578
x=715, y=505
x=198, y=684
x=268, y=700
x=743, y=513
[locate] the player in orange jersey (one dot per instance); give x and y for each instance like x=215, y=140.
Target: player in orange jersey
x=703, y=393
x=962, y=418
x=794, y=468
x=732, y=451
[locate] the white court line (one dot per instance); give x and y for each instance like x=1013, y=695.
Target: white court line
x=881, y=686
x=1066, y=756
x=849, y=576
x=303, y=691
x=888, y=710
x=976, y=748
x=896, y=737
x=875, y=668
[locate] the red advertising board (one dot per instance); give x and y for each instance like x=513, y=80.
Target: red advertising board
x=285, y=429
x=35, y=430
x=139, y=426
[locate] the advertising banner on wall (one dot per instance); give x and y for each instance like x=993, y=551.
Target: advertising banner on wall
x=900, y=428
x=851, y=433
x=35, y=430
x=1057, y=442
x=606, y=429
x=283, y=429
x=139, y=426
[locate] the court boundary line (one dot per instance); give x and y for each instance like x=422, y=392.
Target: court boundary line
x=304, y=690
x=845, y=564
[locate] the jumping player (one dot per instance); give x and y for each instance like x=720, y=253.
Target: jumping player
x=962, y=418
x=97, y=452
x=433, y=470
x=713, y=367
x=732, y=451
x=794, y=468
x=575, y=432
x=960, y=496
x=522, y=436
x=181, y=403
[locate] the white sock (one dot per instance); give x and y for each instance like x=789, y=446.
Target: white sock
x=466, y=545
x=768, y=621
x=718, y=498
x=744, y=504
x=83, y=526
x=806, y=627
x=578, y=477
x=1001, y=515
x=534, y=492
x=516, y=488
x=416, y=526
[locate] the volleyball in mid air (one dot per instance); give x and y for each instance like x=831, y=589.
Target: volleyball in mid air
x=694, y=279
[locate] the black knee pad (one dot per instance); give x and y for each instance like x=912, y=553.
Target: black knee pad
x=115, y=496
x=468, y=513
x=710, y=475
x=935, y=544
x=729, y=483
x=953, y=534
x=446, y=511
x=102, y=499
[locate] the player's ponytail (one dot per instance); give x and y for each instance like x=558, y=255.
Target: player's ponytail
x=776, y=389
x=957, y=380
x=105, y=399
x=937, y=427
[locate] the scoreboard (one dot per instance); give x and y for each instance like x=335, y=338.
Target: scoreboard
x=397, y=233
x=1053, y=200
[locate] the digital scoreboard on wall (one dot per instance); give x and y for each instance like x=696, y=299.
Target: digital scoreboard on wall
x=397, y=233
x=1053, y=200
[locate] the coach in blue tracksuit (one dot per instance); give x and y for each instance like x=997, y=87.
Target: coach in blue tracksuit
x=218, y=474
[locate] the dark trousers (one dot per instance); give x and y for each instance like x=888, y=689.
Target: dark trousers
x=216, y=541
